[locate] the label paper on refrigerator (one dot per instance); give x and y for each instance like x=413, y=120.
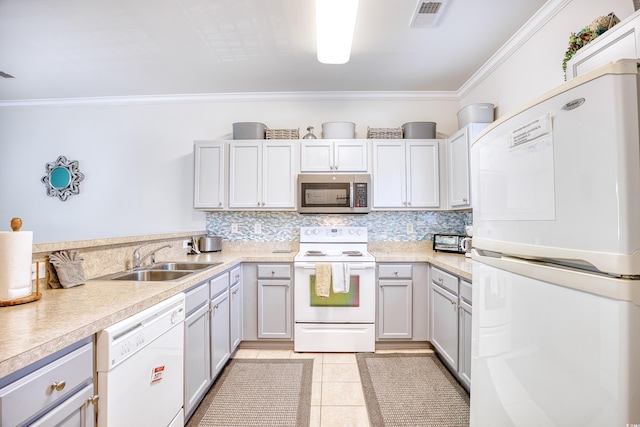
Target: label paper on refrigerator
x=532, y=130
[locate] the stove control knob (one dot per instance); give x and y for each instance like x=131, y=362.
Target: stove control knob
x=307, y=232
x=358, y=232
x=351, y=231
x=316, y=231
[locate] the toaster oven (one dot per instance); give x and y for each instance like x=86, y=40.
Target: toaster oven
x=456, y=243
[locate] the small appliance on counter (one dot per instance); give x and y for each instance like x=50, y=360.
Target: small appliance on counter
x=456, y=243
x=209, y=243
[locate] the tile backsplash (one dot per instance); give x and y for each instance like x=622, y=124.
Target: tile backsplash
x=383, y=226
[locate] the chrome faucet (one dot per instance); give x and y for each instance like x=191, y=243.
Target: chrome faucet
x=137, y=260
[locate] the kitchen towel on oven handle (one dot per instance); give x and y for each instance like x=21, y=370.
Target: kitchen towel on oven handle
x=323, y=280
x=341, y=276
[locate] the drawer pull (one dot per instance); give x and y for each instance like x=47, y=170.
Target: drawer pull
x=58, y=385
x=440, y=279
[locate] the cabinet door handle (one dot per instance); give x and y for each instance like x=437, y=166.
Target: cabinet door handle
x=58, y=385
x=464, y=199
x=234, y=292
x=219, y=203
x=93, y=400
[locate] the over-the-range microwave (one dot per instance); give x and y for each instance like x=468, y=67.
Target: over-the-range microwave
x=334, y=193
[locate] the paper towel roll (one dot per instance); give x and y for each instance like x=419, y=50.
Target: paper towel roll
x=15, y=264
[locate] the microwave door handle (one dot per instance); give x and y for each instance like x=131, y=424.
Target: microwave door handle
x=350, y=195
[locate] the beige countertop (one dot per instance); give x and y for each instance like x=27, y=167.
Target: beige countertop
x=64, y=316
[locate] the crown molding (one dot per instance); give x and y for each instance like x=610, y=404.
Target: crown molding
x=237, y=97
x=533, y=25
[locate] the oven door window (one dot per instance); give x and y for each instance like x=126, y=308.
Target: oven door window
x=346, y=299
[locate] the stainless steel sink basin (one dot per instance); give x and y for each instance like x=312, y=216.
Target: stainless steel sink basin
x=151, y=275
x=189, y=266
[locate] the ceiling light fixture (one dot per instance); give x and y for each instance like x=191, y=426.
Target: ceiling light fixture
x=335, y=22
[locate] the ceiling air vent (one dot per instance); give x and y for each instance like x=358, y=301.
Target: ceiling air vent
x=6, y=75
x=427, y=13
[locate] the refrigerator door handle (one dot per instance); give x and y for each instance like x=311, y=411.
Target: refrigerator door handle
x=595, y=283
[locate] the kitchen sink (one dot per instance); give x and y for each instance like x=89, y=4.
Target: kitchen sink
x=189, y=266
x=151, y=275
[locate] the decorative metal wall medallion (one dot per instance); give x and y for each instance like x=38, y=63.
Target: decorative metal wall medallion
x=62, y=178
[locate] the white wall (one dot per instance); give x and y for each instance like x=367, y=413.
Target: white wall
x=138, y=158
x=537, y=66
x=138, y=161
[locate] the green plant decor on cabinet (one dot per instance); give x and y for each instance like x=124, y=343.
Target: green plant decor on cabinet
x=586, y=35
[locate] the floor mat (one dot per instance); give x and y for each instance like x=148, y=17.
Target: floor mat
x=411, y=390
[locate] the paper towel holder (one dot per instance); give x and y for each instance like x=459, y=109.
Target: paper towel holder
x=62, y=178
x=16, y=225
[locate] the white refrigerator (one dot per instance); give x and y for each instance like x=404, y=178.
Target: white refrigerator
x=556, y=222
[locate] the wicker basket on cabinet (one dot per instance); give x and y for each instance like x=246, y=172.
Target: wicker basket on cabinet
x=384, y=133
x=283, y=133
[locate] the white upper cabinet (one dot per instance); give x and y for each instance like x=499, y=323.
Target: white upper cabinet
x=262, y=174
x=406, y=174
x=458, y=146
x=619, y=42
x=319, y=155
x=209, y=183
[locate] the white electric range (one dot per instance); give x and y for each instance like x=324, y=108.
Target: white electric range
x=342, y=317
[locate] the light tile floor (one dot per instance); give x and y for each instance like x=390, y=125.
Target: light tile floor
x=336, y=397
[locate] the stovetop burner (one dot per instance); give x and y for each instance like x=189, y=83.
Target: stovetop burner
x=352, y=253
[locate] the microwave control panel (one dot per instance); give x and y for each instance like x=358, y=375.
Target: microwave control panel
x=360, y=195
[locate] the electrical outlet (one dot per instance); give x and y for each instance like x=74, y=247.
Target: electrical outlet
x=41, y=270
x=257, y=228
x=409, y=228
x=234, y=227
x=185, y=244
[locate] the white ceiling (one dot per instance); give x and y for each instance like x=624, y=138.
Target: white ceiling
x=94, y=48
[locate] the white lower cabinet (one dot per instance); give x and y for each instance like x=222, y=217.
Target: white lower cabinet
x=207, y=337
x=403, y=298
x=444, y=324
x=219, y=318
x=58, y=391
x=450, y=322
x=464, y=331
x=197, y=354
x=275, y=301
x=395, y=301
x=235, y=302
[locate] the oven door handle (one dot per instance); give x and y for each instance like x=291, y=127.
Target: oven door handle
x=352, y=266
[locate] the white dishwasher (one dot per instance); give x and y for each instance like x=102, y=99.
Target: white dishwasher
x=140, y=368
